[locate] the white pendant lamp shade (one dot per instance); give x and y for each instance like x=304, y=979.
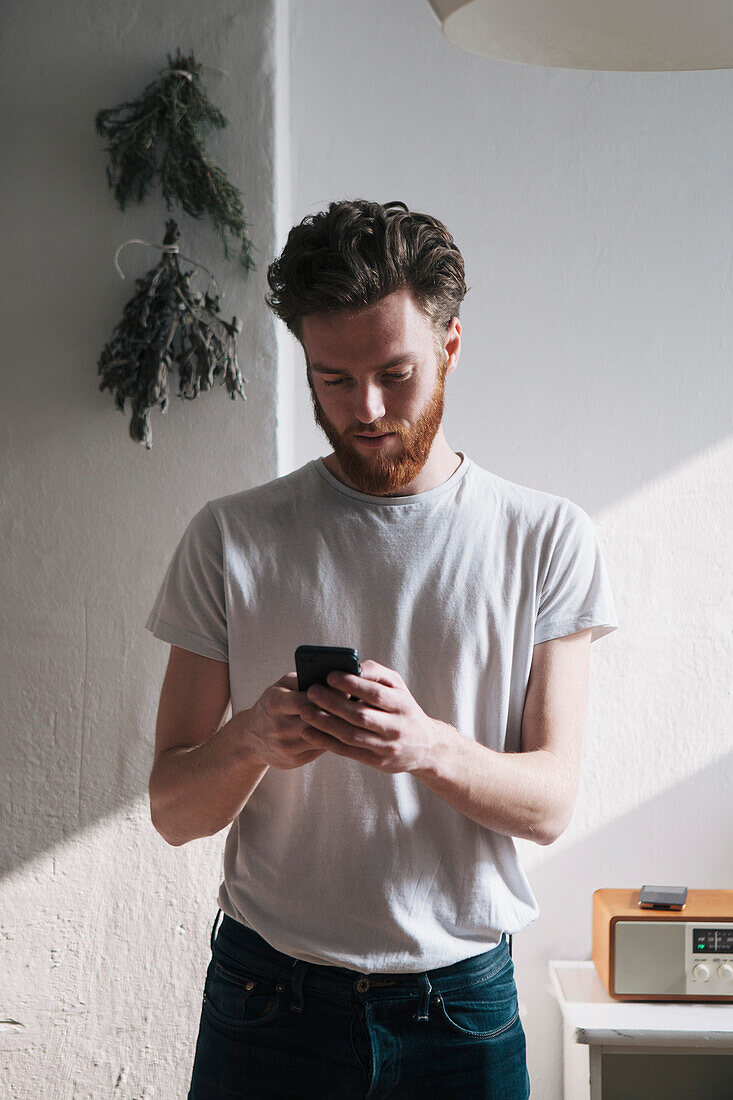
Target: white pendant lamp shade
x=610, y=35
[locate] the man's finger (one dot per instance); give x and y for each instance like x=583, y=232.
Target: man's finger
x=372, y=692
x=360, y=714
x=372, y=670
x=331, y=732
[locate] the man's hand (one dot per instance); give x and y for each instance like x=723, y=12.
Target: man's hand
x=273, y=729
x=384, y=727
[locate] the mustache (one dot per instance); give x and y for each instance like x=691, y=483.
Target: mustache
x=379, y=431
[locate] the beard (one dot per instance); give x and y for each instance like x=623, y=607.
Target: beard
x=379, y=474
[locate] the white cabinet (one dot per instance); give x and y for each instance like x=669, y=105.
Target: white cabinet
x=624, y=1050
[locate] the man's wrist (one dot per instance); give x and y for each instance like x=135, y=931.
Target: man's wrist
x=239, y=743
x=444, y=757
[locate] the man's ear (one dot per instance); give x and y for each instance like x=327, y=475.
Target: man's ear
x=453, y=345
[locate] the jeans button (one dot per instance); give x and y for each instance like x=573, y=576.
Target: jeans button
x=362, y=985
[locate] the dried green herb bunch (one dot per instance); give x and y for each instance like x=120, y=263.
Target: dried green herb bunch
x=167, y=325
x=169, y=118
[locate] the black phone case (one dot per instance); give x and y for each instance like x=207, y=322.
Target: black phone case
x=314, y=662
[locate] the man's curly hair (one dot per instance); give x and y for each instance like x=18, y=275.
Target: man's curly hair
x=357, y=252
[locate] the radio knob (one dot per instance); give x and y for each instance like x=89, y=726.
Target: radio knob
x=701, y=972
x=725, y=972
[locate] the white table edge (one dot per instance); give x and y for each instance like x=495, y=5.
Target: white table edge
x=718, y=1038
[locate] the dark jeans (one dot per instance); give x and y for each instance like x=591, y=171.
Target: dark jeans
x=274, y=1027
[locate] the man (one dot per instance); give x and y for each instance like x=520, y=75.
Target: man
x=371, y=879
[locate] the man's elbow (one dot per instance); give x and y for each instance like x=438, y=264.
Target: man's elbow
x=174, y=842
x=554, y=827
x=158, y=822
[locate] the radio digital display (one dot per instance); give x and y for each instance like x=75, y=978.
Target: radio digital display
x=710, y=941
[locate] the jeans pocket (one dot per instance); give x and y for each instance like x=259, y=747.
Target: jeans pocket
x=484, y=1009
x=240, y=998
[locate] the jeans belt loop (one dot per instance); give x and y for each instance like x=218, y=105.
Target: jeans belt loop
x=219, y=913
x=423, y=1007
x=299, y=969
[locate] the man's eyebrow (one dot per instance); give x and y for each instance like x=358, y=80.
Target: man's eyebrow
x=398, y=361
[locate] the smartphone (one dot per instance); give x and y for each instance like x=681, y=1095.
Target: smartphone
x=662, y=897
x=314, y=662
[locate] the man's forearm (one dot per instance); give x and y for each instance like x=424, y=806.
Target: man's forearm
x=195, y=792
x=518, y=794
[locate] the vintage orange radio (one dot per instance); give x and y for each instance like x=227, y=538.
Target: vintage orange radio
x=664, y=954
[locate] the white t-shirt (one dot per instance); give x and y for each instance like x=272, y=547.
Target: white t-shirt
x=336, y=862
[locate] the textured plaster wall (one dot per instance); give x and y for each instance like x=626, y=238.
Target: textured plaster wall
x=594, y=213
x=103, y=927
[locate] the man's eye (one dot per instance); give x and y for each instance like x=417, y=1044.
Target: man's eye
x=389, y=377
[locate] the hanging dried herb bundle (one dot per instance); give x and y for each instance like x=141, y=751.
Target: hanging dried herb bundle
x=169, y=117
x=167, y=325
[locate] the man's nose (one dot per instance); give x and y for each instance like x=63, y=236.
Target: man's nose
x=369, y=403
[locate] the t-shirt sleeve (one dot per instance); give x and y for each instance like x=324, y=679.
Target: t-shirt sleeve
x=190, y=608
x=576, y=593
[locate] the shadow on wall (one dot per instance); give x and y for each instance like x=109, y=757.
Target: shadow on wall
x=82, y=770
x=88, y=740
x=663, y=841
x=660, y=841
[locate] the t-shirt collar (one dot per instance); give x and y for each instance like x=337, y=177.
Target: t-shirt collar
x=412, y=498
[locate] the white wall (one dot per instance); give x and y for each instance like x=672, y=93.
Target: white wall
x=103, y=927
x=594, y=213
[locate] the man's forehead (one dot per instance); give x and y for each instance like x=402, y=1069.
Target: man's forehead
x=389, y=328
x=397, y=311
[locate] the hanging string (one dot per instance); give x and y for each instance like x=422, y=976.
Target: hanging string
x=189, y=76
x=172, y=249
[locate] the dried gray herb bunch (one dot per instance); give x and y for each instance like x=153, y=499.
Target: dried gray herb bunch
x=161, y=133
x=168, y=325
